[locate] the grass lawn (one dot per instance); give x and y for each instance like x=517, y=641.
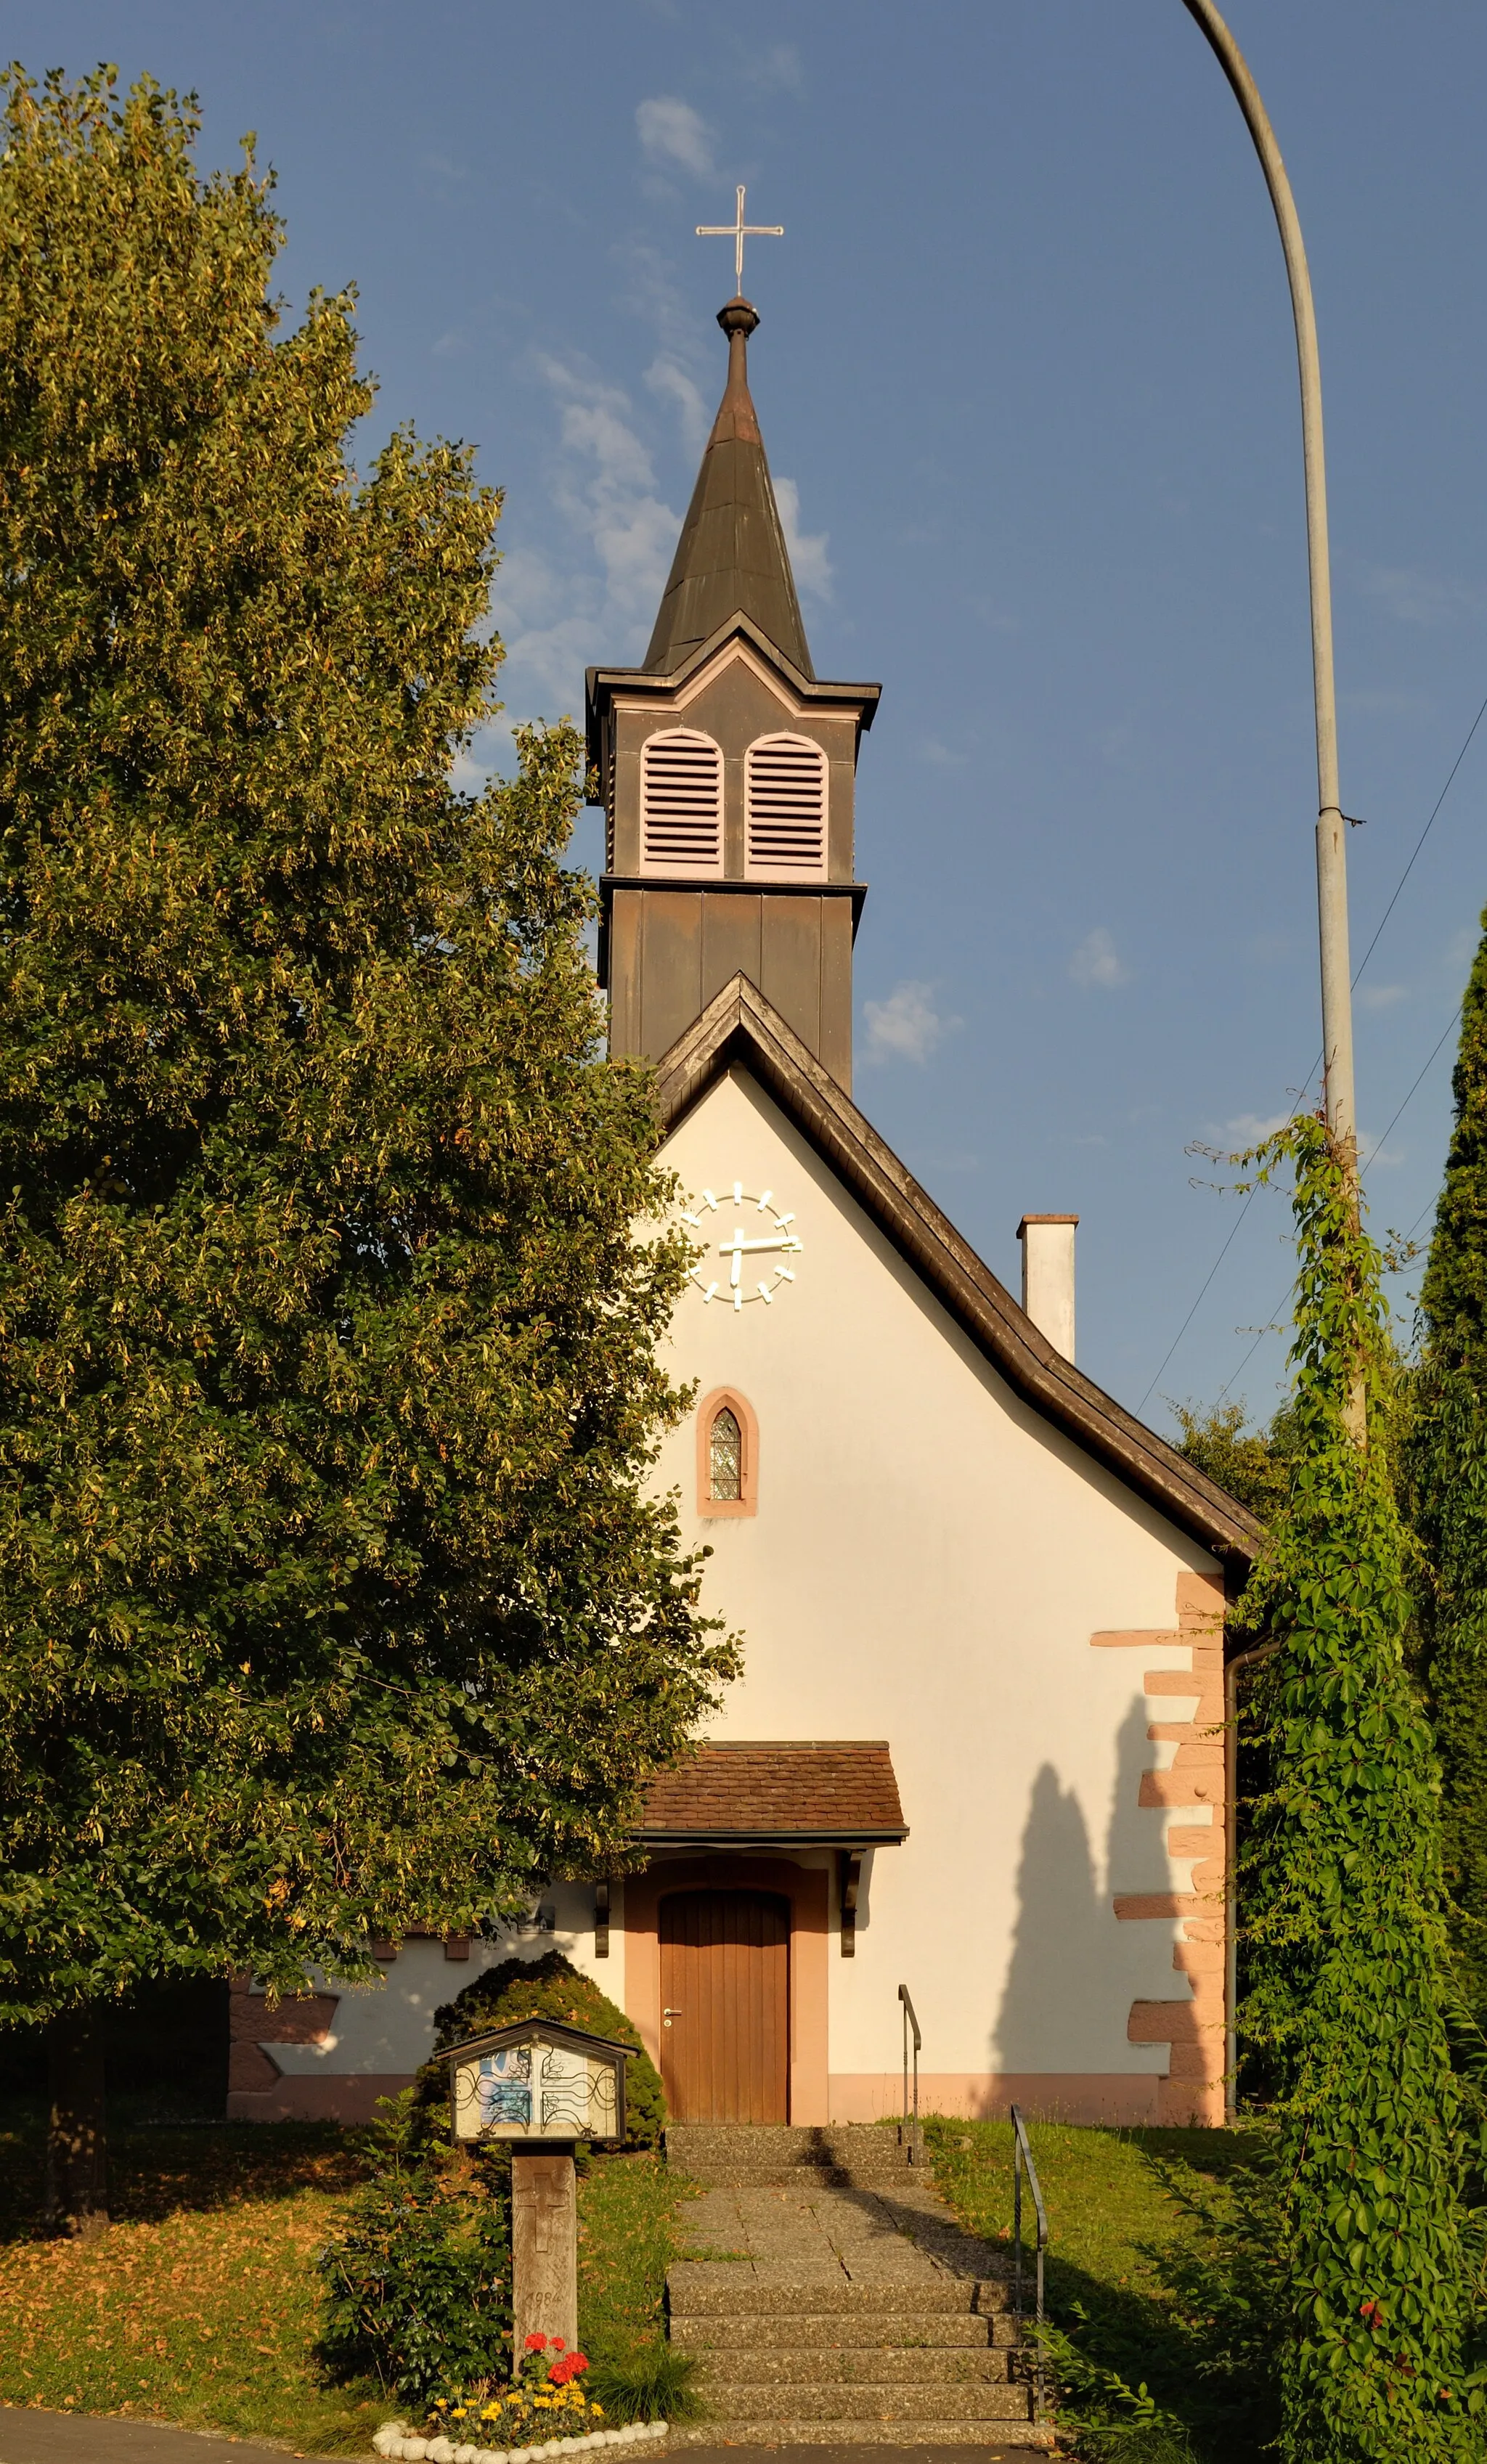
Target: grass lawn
x=1107, y=2205
x=1110, y=2216
x=199, y=2304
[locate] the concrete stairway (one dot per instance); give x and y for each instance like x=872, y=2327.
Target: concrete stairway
x=832, y=2300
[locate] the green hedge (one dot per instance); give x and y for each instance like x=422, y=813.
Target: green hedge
x=550, y=1988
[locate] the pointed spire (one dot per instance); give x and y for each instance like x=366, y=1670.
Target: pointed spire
x=731, y=558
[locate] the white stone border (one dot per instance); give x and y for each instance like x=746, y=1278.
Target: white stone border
x=395, y=2439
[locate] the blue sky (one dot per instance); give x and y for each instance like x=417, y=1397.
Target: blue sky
x=1027, y=379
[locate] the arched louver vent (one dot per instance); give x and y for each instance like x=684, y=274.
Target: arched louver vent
x=785, y=804
x=682, y=804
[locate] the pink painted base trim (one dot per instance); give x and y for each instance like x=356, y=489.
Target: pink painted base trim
x=984, y=2096
x=340, y=2097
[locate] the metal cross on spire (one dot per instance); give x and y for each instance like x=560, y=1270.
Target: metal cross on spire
x=739, y=230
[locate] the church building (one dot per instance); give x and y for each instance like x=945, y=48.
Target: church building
x=977, y=1755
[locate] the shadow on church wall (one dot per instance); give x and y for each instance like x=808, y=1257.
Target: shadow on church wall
x=1076, y=1969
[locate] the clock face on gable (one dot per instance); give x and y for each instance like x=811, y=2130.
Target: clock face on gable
x=750, y=1247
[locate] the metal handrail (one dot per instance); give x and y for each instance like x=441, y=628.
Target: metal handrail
x=916, y=2152
x=1022, y=2159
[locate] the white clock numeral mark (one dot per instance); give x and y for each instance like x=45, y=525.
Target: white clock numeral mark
x=776, y=1244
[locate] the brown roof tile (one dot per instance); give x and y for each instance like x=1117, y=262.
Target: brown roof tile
x=778, y=1789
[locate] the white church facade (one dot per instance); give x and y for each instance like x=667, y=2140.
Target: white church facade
x=978, y=1747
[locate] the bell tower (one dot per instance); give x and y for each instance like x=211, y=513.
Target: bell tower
x=726, y=770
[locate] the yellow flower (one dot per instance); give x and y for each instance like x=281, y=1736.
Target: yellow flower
x=599, y=2410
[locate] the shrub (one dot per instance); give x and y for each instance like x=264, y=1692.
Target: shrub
x=550, y=1988
x=417, y=2286
x=652, y=2382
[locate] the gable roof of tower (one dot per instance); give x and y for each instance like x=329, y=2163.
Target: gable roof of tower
x=740, y=1027
x=731, y=558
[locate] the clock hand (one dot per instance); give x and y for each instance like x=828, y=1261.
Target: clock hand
x=738, y=1243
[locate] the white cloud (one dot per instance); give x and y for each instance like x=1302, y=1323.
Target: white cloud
x=554, y=620
x=906, y=1026
x=811, y=564
x=1383, y=996
x=671, y=131
x=667, y=377
x=1419, y=598
x=1251, y=1129
x=1095, y=964
x=777, y=70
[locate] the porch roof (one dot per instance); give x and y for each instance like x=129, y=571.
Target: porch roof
x=783, y=1790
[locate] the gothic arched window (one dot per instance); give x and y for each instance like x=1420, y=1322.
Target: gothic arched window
x=727, y=1455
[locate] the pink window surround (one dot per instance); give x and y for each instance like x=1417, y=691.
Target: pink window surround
x=727, y=1399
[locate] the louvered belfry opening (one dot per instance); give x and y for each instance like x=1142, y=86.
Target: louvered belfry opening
x=682, y=804
x=784, y=809
x=726, y=767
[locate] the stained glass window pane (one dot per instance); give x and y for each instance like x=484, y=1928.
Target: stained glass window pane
x=725, y=1458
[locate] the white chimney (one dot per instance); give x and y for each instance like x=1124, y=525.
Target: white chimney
x=1047, y=1276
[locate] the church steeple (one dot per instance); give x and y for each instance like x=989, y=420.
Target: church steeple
x=731, y=558
x=726, y=767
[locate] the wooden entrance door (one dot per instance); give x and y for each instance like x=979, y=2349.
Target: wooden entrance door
x=726, y=1969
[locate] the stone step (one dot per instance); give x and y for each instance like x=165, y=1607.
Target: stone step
x=702, y=2288
x=873, y=2331
x=1013, y=2438
x=721, y=2371
x=701, y=2147
x=842, y=2403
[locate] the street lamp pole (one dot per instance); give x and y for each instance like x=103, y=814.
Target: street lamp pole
x=1336, y=1003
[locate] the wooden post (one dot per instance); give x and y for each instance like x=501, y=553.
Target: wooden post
x=543, y=2248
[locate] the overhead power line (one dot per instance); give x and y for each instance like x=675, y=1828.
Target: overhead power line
x=1389, y=911
x=1376, y=1150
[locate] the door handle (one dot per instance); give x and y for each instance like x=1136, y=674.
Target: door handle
x=667, y=2016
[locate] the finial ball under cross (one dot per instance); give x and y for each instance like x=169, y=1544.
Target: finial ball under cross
x=739, y=230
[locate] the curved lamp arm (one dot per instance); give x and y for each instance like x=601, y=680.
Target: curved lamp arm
x=1337, y=1006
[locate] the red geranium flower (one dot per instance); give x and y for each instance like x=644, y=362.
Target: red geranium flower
x=535, y=2345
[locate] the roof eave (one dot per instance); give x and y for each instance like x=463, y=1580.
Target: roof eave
x=601, y=684
x=842, y=1835
x=740, y=1023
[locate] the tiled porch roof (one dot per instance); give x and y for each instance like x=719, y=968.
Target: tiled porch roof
x=840, y=1793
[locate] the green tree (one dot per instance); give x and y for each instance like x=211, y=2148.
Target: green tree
x=1449, y=1466
x=332, y=1602
x=1253, y=1464
x=1340, y=1886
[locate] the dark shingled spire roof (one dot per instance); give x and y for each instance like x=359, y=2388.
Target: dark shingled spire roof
x=731, y=558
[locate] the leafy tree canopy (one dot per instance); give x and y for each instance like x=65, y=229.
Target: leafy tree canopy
x=1343, y=1906
x=331, y=1599
x=1448, y=1460
x=1253, y=1464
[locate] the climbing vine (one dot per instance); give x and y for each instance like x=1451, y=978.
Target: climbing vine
x=1448, y=1460
x=1341, y=1887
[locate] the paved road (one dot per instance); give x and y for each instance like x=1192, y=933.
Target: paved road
x=29, y=2437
